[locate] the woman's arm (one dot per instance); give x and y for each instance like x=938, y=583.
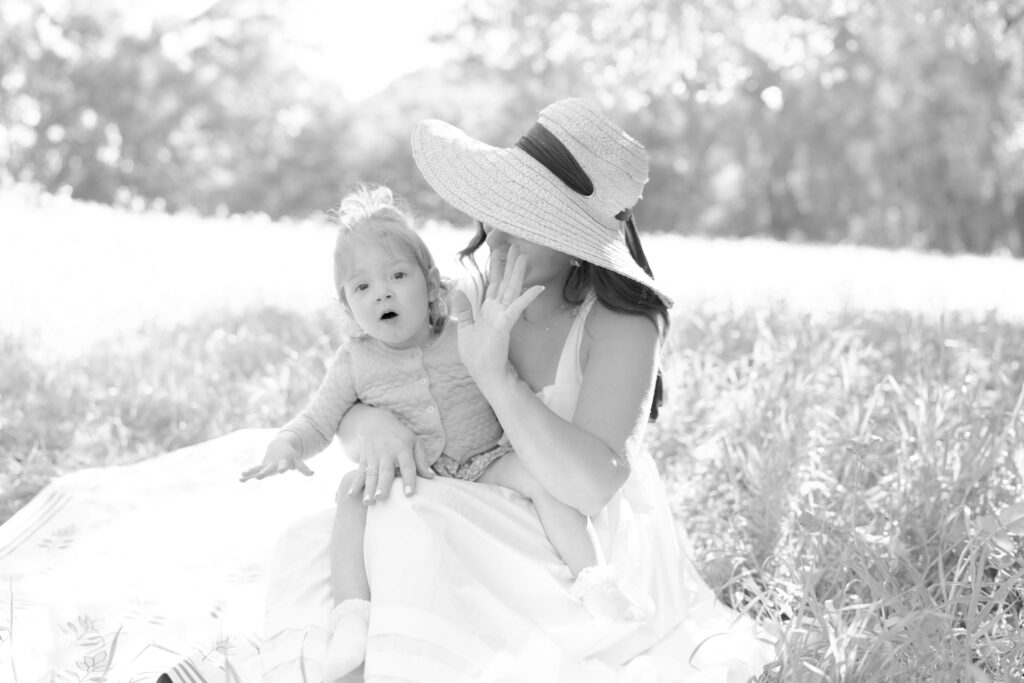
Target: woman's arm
x=582, y=463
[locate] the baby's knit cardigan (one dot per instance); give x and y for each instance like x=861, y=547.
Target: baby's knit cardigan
x=427, y=388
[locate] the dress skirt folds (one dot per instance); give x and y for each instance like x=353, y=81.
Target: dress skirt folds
x=466, y=587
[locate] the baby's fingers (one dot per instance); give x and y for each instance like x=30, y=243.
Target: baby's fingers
x=419, y=453
x=303, y=468
x=250, y=473
x=259, y=472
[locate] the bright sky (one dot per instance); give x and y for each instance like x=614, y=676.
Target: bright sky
x=368, y=43
x=364, y=44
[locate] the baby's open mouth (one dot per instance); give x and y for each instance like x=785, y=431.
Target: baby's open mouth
x=388, y=315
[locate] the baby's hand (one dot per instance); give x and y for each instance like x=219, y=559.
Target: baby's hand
x=281, y=456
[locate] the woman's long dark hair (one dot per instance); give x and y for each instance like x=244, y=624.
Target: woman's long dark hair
x=616, y=292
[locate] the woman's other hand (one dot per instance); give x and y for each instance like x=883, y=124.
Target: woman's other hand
x=281, y=456
x=484, y=341
x=383, y=446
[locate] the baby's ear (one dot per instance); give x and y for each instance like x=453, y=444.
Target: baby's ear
x=433, y=283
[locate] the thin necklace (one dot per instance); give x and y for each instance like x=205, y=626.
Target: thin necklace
x=550, y=318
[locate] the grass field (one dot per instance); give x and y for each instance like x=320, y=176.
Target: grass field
x=843, y=437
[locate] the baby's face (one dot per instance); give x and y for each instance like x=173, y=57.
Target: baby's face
x=388, y=295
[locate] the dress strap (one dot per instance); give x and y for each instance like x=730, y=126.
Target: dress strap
x=569, y=370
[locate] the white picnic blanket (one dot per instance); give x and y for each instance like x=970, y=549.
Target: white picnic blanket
x=122, y=573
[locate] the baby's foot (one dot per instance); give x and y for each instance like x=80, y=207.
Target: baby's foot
x=348, y=625
x=599, y=591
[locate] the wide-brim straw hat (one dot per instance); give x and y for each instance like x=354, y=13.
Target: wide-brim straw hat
x=508, y=189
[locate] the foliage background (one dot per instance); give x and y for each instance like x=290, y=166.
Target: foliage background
x=863, y=121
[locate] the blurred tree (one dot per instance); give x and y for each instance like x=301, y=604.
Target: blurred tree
x=877, y=122
x=199, y=113
x=882, y=123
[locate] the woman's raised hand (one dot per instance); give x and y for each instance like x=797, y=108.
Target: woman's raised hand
x=484, y=341
x=281, y=456
x=386, y=447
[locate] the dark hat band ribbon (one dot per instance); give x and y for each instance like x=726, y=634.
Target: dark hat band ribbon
x=541, y=144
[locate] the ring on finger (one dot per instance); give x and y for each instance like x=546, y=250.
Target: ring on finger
x=371, y=468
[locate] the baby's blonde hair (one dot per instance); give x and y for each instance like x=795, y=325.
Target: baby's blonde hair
x=372, y=213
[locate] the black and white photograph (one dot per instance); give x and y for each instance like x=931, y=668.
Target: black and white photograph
x=511, y=341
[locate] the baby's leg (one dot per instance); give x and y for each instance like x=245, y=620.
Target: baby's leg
x=596, y=585
x=348, y=621
x=348, y=571
x=565, y=526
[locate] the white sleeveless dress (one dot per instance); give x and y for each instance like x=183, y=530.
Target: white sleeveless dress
x=467, y=588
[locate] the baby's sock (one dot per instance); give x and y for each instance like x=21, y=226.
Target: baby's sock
x=348, y=625
x=599, y=591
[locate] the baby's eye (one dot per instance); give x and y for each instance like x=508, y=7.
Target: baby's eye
x=361, y=287
x=399, y=275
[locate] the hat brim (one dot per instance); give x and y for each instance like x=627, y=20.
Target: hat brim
x=509, y=190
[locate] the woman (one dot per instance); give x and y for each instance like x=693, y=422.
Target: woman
x=464, y=584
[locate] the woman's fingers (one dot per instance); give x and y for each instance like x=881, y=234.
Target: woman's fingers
x=515, y=271
x=495, y=270
x=462, y=309
x=505, y=291
x=516, y=308
x=370, y=483
x=385, y=478
x=407, y=467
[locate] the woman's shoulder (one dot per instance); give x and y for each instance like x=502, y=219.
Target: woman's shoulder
x=604, y=323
